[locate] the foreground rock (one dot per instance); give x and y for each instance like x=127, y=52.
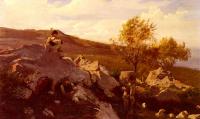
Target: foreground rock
x=106, y=112
x=37, y=69
x=182, y=115
x=99, y=74
x=161, y=114
x=34, y=66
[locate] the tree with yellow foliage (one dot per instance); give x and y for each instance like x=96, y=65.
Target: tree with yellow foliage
x=170, y=52
x=137, y=45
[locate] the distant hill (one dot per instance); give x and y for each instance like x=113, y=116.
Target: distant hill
x=12, y=38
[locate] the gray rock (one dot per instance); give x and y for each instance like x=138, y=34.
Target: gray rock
x=107, y=83
x=98, y=74
x=194, y=116
x=182, y=115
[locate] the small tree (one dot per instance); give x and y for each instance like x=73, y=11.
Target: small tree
x=137, y=45
x=135, y=41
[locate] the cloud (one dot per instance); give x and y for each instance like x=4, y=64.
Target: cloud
x=101, y=19
x=175, y=25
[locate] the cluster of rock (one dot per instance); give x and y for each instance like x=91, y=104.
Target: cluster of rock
x=37, y=68
x=161, y=114
x=98, y=74
x=164, y=86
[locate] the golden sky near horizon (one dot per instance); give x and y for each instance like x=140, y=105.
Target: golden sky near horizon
x=101, y=20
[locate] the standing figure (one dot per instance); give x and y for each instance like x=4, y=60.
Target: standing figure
x=132, y=106
x=129, y=100
x=126, y=101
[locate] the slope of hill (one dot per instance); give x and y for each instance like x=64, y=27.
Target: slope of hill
x=12, y=38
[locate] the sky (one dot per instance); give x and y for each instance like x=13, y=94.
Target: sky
x=100, y=20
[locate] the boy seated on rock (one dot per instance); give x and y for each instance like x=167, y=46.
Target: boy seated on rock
x=54, y=43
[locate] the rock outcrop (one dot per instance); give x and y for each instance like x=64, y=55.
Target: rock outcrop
x=164, y=87
x=37, y=68
x=33, y=64
x=164, y=79
x=99, y=74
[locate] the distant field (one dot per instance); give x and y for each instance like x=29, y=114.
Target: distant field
x=187, y=75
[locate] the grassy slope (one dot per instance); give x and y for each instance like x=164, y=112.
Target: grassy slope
x=115, y=64
x=187, y=75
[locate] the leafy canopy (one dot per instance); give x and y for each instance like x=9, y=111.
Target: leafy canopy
x=138, y=46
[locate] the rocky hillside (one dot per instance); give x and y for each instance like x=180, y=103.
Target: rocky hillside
x=12, y=38
x=39, y=80
x=35, y=84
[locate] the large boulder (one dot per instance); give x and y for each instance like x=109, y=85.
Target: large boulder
x=104, y=109
x=164, y=86
x=32, y=64
x=37, y=68
x=107, y=83
x=99, y=74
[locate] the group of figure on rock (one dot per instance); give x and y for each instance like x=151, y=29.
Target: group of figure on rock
x=54, y=45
